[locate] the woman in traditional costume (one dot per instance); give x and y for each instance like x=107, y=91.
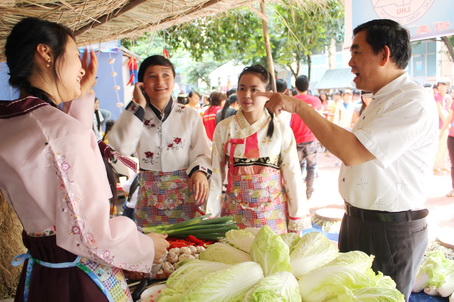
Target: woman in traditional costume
x=54, y=177
x=264, y=181
x=171, y=144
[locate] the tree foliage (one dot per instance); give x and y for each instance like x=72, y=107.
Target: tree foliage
x=229, y=35
x=449, y=42
x=297, y=29
x=305, y=27
x=147, y=45
x=201, y=71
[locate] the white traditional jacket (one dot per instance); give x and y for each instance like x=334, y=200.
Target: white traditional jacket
x=164, y=141
x=281, y=145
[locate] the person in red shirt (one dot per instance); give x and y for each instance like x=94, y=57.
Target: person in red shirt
x=216, y=100
x=306, y=142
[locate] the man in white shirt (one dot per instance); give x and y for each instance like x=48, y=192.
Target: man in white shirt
x=387, y=157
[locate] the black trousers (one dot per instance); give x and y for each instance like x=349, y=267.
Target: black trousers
x=398, y=247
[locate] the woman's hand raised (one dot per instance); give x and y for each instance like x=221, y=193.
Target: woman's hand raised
x=90, y=65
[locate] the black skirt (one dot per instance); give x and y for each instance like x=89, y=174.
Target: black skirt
x=55, y=284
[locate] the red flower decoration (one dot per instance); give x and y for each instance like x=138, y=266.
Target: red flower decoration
x=149, y=154
x=147, y=122
x=169, y=145
x=75, y=230
x=177, y=140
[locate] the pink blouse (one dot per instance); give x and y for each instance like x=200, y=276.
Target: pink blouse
x=53, y=175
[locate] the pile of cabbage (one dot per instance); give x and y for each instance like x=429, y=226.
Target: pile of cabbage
x=436, y=275
x=259, y=265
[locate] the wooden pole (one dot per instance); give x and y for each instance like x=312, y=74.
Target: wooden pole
x=269, y=55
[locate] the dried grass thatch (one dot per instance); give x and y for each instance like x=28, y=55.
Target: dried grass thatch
x=10, y=246
x=96, y=21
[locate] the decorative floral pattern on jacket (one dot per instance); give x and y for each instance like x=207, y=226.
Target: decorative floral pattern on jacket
x=177, y=142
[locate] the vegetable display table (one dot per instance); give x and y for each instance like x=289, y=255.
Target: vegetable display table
x=422, y=297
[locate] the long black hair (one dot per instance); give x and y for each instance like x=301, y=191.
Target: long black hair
x=267, y=78
x=230, y=100
x=20, y=50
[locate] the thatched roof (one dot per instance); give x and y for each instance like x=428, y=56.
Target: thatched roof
x=96, y=21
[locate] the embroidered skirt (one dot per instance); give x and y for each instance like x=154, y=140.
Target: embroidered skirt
x=255, y=200
x=68, y=284
x=164, y=198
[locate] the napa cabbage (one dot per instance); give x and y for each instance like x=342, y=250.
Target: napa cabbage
x=333, y=282
x=435, y=273
x=252, y=230
x=311, y=251
x=185, y=276
x=371, y=294
x=280, y=286
x=354, y=259
x=329, y=282
x=228, y=285
x=431, y=271
x=240, y=239
x=225, y=253
x=290, y=239
x=270, y=251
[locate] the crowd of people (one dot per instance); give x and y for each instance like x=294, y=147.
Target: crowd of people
x=240, y=155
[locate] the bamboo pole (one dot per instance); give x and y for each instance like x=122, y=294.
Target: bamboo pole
x=269, y=55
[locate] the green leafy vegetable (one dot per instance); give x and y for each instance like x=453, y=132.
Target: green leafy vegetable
x=280, y=286
x=372, y=294
x=311, y=251
x=185, y=276
x=329, y=276
x=329, y=282
x=252, y=230
x=355, y=259
x=342, y=283
x=290, y=239
x=270, y=251
x=240, y=239
x=201, y=227
x=436, y=272
x=225, y=253
x=227, y=285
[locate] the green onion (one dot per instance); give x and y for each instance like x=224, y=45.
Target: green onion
x=200, y=227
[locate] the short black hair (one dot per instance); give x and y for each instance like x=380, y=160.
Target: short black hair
x=192, y=92
x=385, y=32
x=153, y=61
x=302, y=83
x=281, y=85
x=231, y=91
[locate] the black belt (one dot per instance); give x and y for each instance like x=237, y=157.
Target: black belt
x=380, y=216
